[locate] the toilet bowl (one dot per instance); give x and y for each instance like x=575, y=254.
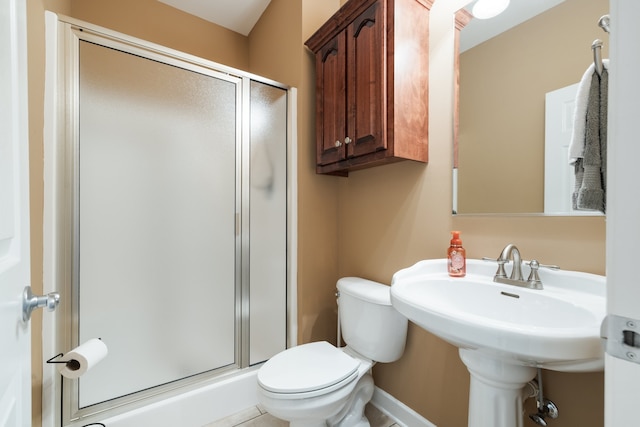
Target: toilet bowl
x=317, y=384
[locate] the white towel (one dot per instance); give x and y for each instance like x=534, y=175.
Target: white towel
x=576, y=146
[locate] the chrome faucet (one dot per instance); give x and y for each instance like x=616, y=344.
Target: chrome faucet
x=509, y=251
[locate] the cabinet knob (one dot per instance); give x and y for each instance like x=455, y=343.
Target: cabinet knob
x=347, y=140
x=338, y=144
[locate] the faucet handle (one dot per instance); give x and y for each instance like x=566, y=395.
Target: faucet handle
x=534, y=279
x=501, y=273
x=549, y=266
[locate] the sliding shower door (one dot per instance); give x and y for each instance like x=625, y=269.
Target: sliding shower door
x=169, y=215
x=267, y=168
x=156, y=247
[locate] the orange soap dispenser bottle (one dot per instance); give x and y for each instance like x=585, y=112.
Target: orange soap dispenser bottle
x=456, y=256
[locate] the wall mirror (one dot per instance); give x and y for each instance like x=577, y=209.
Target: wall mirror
x=514, y=90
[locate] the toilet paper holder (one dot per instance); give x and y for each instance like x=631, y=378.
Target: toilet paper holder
x=72, y=363
x=81, y=359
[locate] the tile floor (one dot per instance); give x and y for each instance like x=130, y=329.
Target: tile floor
x=258, y=417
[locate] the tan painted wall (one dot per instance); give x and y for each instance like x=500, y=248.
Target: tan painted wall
x=502, y=104
x=370, y=224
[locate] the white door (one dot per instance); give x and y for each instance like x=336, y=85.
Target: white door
x=622, y=377
x=558, y=174
x=15, y=340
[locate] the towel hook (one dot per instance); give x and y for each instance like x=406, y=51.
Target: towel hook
x=603, y=23
x=596, y=46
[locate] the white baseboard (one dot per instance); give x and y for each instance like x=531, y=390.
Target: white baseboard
x=405, y=416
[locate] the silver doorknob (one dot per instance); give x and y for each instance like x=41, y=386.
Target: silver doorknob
x=30, y=302
x=338, y=144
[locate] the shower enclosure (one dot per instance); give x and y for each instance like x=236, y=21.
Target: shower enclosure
x=170, y=197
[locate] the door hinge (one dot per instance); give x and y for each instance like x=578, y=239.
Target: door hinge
x=622, y=335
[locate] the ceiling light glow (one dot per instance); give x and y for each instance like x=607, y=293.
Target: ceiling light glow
x=485, y=9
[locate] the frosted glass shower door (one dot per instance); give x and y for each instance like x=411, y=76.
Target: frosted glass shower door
x=155, y=246
x=268, y=221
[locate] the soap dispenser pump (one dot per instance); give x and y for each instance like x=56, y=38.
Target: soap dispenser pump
x=456, y=256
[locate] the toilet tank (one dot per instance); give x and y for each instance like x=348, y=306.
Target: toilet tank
x=369, y=324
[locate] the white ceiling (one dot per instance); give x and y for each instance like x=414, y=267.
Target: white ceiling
x=480, y=30
x=241, y=15
x=237, y=15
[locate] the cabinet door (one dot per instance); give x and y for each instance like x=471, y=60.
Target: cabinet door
x=366, y=89
x=331, y=100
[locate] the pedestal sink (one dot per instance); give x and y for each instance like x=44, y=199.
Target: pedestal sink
x=505, y=332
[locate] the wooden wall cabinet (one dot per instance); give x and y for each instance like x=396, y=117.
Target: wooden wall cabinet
x=372, y=60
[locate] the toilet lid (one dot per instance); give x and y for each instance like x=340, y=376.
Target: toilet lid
x=305, y=368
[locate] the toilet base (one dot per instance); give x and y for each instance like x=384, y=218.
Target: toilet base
x=353, y=413
x=350, y=415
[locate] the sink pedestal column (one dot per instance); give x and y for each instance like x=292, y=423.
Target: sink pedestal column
x=495, y=394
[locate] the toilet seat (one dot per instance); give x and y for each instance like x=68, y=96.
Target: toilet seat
x=307, y=370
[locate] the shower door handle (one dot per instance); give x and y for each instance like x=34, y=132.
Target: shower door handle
x=30, y=302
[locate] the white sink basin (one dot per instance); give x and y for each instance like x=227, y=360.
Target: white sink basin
x=506, y=333
x=556, y=328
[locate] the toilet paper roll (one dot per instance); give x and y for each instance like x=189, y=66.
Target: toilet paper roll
x=83, y=358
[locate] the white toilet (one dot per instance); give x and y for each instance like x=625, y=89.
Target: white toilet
x=317, y=384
